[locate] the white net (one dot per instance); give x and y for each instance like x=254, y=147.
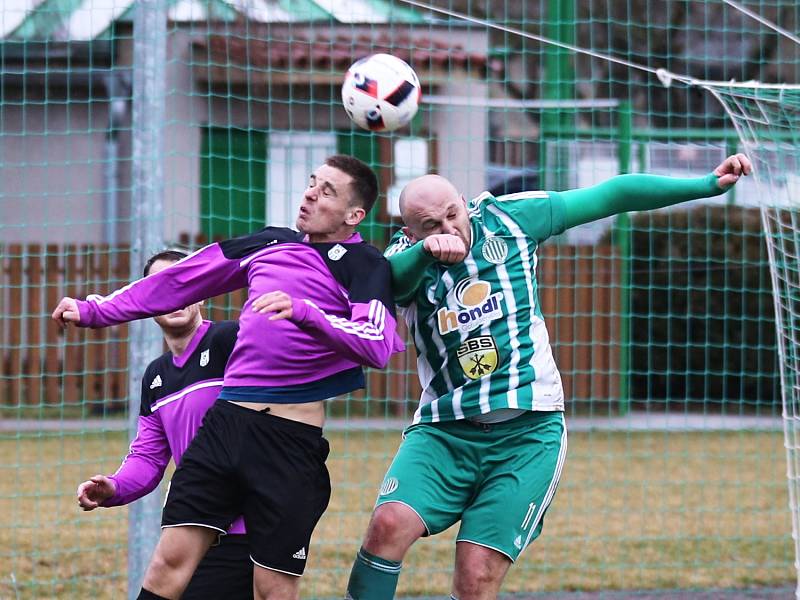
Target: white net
x=767, y=119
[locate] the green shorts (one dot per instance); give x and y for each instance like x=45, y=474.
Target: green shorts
x=498, y=479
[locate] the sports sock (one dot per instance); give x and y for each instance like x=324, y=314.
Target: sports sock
x=373, y=577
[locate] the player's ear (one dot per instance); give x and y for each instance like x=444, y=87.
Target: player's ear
x=354, y=215
x=407, y=232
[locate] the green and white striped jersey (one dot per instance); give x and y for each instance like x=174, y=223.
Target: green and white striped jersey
x=477, y=326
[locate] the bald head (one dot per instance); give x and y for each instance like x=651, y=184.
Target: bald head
x=425, y=190
x=432, y=205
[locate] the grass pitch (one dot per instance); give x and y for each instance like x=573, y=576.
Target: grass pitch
x=658, y=510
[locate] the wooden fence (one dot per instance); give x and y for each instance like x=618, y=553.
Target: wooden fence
x=40, y=366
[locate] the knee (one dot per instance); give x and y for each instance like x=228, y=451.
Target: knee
x=394, y=522
x=166, y=574
x=476, y=578
x=386, y=523
x=165, y=562
x=474, y=581
x=275, y=586
x=392, y=530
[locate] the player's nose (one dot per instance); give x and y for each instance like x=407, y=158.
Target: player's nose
x=449, y=228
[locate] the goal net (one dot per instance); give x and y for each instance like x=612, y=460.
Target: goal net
x=767, y=119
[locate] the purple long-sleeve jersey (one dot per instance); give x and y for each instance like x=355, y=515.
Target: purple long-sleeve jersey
x=177, y=391
x=343, y=312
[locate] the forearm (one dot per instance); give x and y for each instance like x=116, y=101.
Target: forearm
x=408, y=269
x=144, y=466
x=136, y=478
x=369, y=337
x=633, y=193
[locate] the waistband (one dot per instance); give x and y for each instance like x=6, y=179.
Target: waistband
x=526, y=418
x=272, y=420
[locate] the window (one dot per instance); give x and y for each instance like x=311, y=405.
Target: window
x=410, y=162
x=292, y=157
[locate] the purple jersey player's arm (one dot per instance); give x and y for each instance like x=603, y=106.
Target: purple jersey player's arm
x=140, y=471
x=143, y=468
x=368, y=336
x=149, y=454
x=204, y=274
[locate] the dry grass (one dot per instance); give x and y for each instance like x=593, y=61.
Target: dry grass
x=643, y=510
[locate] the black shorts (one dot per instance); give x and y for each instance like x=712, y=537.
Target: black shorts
x=226, y=571
x=269, y=469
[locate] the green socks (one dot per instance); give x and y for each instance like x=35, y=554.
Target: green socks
x=373, y=577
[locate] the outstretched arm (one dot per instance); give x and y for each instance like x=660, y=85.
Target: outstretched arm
x=204, y=274
x=646, y=192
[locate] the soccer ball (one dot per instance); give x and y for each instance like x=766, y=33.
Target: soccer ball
x=381, y=92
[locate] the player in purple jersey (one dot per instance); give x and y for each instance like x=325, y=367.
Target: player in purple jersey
x=177, y=390
x=319, y=308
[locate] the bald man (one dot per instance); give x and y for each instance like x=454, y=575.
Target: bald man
x=488, y=441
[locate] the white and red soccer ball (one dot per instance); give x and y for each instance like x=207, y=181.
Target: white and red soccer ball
x=381, y=92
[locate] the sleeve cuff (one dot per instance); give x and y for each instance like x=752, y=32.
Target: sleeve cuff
x=84, y=312
x=115, y=499
x=713, y=186
x=299, y=311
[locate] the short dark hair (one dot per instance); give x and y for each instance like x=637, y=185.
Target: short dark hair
x=365, y=183
x=171, y=254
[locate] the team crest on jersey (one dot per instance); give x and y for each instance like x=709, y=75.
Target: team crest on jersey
x=389, y=485
x=337, y=252
x=478, y=306
x=495, y=250
x=478, y=356
x=204, y=357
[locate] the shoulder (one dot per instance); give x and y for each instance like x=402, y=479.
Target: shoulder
x=399, y=242
x=223, y=335
x=530, y=213
x=242, y=246
x=157, y=365
x=527, y=205
x=353, y=257
x=478, y=205
x=367, y=253
x=361, y=269
x=224, y=329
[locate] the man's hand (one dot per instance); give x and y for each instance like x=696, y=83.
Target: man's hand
x=66, y=312
x=93, y=492
x=278, y=302
x=731, y=169
x=445, y=247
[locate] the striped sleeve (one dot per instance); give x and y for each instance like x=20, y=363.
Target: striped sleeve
x=204, y=274
x=539, y=214
x=368, y=336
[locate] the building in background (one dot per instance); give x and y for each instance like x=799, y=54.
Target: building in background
x=252, y=106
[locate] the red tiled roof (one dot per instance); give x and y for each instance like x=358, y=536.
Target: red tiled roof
x=323, y=53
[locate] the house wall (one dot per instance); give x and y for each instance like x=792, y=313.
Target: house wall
x=52, y=187
x=51, y=167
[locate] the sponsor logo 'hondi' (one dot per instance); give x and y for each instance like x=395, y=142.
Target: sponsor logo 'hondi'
x=477, y=306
